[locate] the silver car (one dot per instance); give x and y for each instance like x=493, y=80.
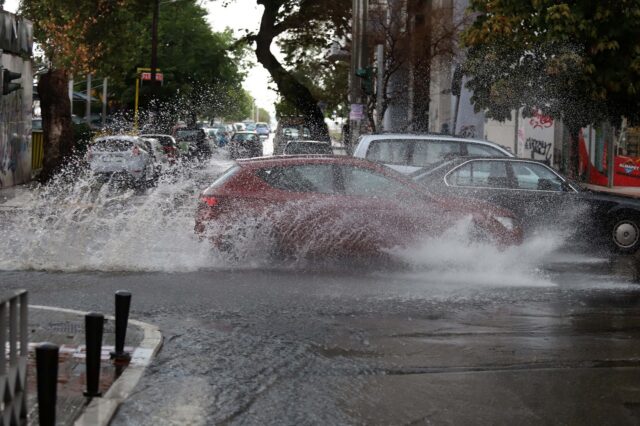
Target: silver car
x=407, y=153
x=125, y=157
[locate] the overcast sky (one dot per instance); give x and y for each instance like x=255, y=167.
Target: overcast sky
x=239, y=15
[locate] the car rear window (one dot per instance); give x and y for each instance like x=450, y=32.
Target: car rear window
x=389, y=151
x=478, y=150
x=294, y=148
x=112, y=145
x=300, y=178
x=429, y=152
x=412, y=152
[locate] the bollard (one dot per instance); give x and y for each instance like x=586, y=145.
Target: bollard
x=123, y=303
x=47, y=377
x=93, y=326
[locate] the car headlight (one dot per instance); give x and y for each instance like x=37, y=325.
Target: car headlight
x=505, y=221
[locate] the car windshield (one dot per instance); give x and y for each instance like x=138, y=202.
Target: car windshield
x=188, y=134
x=241, y=137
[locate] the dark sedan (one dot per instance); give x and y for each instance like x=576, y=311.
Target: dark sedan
x=542, y=199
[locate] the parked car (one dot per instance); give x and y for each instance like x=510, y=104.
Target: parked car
x=307, y=147
x=195, y=141
x=541, y=198
x=126, y=158
x=239, y=127
x=262, y=129
x=407, y=153
x=328, y=205
x=170, y=151
x=244, y=145
x=288, y=129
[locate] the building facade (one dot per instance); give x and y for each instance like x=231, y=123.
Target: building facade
x=16, y=43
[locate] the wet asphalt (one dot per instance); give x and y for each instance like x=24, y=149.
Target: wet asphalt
x=359, y=347
x=536, y=336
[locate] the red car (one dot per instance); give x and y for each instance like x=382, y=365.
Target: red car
x=324, y=205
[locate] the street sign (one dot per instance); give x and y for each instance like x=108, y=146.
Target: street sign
x=147, y=76
x=357, y=112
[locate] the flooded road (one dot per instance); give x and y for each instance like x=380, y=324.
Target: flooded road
x=292, y=347
x=460, y=334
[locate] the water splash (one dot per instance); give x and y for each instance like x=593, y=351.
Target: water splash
x=454, y=257
x=78, y=224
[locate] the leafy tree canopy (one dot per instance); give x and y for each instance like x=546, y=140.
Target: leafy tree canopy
x=579, y=59
x=83, y=36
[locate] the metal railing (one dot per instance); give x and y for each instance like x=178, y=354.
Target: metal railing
x=37, y=150
x=13, y=375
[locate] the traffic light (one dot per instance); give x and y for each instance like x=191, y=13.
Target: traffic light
x=366, y=74
x=7, y=78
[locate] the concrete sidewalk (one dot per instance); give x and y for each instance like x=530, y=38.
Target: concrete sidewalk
x=15, y=197
x=66, y=329
x=629, y=191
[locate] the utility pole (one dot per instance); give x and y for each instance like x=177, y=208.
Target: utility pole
x=154, y=41
x=379, y=86
x=104, y=102
x=88, y=110
x=358, y=61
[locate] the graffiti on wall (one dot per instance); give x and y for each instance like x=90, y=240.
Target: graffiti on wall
x=468, y=131
x=540, y=150
x=15, y=126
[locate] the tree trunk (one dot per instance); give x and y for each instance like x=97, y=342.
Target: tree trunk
x=290, y=88
x=56, y=121
x=573, y=167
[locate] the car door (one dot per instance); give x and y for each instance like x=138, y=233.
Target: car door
x=487, y=180
x=301, y=206
x=545, y=200
x=381, y=211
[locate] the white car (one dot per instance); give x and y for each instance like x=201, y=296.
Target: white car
x=407, y=153
x=127, y=157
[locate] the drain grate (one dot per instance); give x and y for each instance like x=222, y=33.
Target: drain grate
x=73, y=327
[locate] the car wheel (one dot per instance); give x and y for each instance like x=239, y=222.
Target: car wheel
x=625, y=234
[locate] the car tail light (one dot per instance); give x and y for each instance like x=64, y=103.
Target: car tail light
x=135, y=151
x=209, y=200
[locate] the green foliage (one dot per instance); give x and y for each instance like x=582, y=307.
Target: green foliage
x=200, y=66
x=84, y=36
x=305, y=46
x=82, y=134
x=579, y=60
x=263, y=115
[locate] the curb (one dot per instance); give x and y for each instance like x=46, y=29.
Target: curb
x=100, y=411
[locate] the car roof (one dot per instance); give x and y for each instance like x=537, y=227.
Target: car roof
x=308, y=141
x=117, y=137
x=450, y=163
x=246, y=132
x=429, y=136
x=285, y=160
